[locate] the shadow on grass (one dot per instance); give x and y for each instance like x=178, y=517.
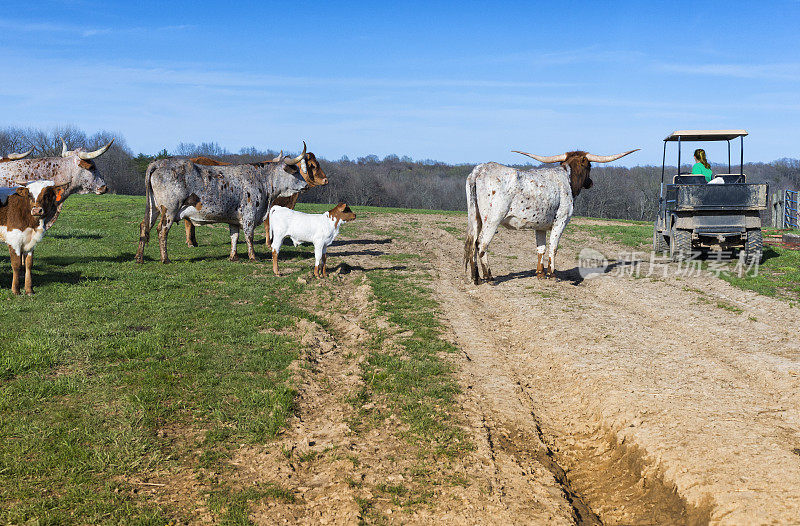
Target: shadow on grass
x=46, y=277
x=69, y=260
x=75, y=236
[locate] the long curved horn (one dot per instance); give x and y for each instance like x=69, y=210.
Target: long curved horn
x=64, y=149
x=299, y=157
x=97, y=153
x=551, y=159
x=278, y=158
x=607, y=158
x=15, y=156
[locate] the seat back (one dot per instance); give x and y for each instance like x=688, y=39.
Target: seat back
x=700, y=179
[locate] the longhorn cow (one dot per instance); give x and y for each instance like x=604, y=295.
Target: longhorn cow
x=540, y=199
x=310, y=170
x=239, y=195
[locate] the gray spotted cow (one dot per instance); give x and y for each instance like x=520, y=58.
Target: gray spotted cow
x=239, y=195
x=539, y=199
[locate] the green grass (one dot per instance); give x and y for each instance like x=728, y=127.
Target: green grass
x=366, y=211
x=416, y=381
x=629, y=235
x=777, y=276
x=114, y=370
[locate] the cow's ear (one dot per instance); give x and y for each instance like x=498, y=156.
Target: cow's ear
x=22, y=191
x=60, y=192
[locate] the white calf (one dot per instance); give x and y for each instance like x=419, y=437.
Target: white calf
x=319, y=229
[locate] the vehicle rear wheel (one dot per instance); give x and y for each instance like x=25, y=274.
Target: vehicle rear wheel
x=753, y=247
x=660, y=244
x=680, y=245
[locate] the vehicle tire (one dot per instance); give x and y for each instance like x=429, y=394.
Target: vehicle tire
x=754, y=246
x=660, y=244
x=680, y=245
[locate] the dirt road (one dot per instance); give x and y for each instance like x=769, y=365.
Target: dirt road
x=614, y=400
x=665, y=399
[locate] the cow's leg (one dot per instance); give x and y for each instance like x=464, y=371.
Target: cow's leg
x=28, y=276
x=16, y=269
x=234, y=230
x=275, y=262
x=266, y=229
x=249, y=234
x=163, y=230
x=555, y=237
x=484, y=238
x=191, y=240
x=324, y=262
x=144, y=233
x=541, y=245
x=318, y=253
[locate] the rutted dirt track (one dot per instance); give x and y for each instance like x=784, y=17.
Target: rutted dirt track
x=661, y=406
x=614, y=400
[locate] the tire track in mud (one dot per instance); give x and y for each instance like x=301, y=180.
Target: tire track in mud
x=507, y=399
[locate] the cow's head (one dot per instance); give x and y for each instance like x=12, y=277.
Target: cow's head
x=43, y=197
x=306, y=165
x=342, y=212
x=82, y=171
x=15, y=156
x=578, y=165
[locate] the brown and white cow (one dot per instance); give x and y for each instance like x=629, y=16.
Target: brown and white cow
x=308, y=167
x=75, y=168
x=539, y=199
x=24, y=213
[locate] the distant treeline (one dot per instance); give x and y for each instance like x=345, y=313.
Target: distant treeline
x=622, y=193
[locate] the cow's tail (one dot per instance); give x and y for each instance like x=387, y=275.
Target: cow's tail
x=473, y=230
x=149, y=212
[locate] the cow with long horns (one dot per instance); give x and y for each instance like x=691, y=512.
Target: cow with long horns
x=239, y=195
x=75, y=167
x=309, y=167
x=540, y=199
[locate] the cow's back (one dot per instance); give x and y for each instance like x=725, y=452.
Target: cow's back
x=222, y=192
x=24, y=170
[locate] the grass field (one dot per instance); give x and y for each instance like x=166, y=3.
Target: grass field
x=113, y=372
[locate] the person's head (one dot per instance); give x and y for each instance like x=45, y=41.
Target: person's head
x=700, y=157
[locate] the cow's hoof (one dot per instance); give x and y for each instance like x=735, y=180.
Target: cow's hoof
x=29, y=293
x=191, y=245
x=233, y=258
x=540, y=275
x=254, y=259
x=139, y=259
x=166, y=261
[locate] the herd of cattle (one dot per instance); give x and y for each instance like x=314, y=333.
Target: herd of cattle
x=202, y=191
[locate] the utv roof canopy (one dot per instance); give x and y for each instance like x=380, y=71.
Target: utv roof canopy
x=705, y=135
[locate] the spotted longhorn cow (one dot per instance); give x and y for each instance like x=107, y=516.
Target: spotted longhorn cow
x=74, y=168
x=309, y=167
x=239, y=195
x=540, y=199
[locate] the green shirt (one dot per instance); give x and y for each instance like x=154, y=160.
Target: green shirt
x=699, y=169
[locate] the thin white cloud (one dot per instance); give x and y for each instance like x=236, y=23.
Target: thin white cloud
x=781, y=71
x=48, y=27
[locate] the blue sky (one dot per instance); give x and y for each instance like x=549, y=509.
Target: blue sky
x=458, y=82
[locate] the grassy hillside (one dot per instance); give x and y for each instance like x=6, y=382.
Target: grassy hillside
x=109, y=357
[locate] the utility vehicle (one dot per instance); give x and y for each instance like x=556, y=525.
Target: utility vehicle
x=694, y=216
